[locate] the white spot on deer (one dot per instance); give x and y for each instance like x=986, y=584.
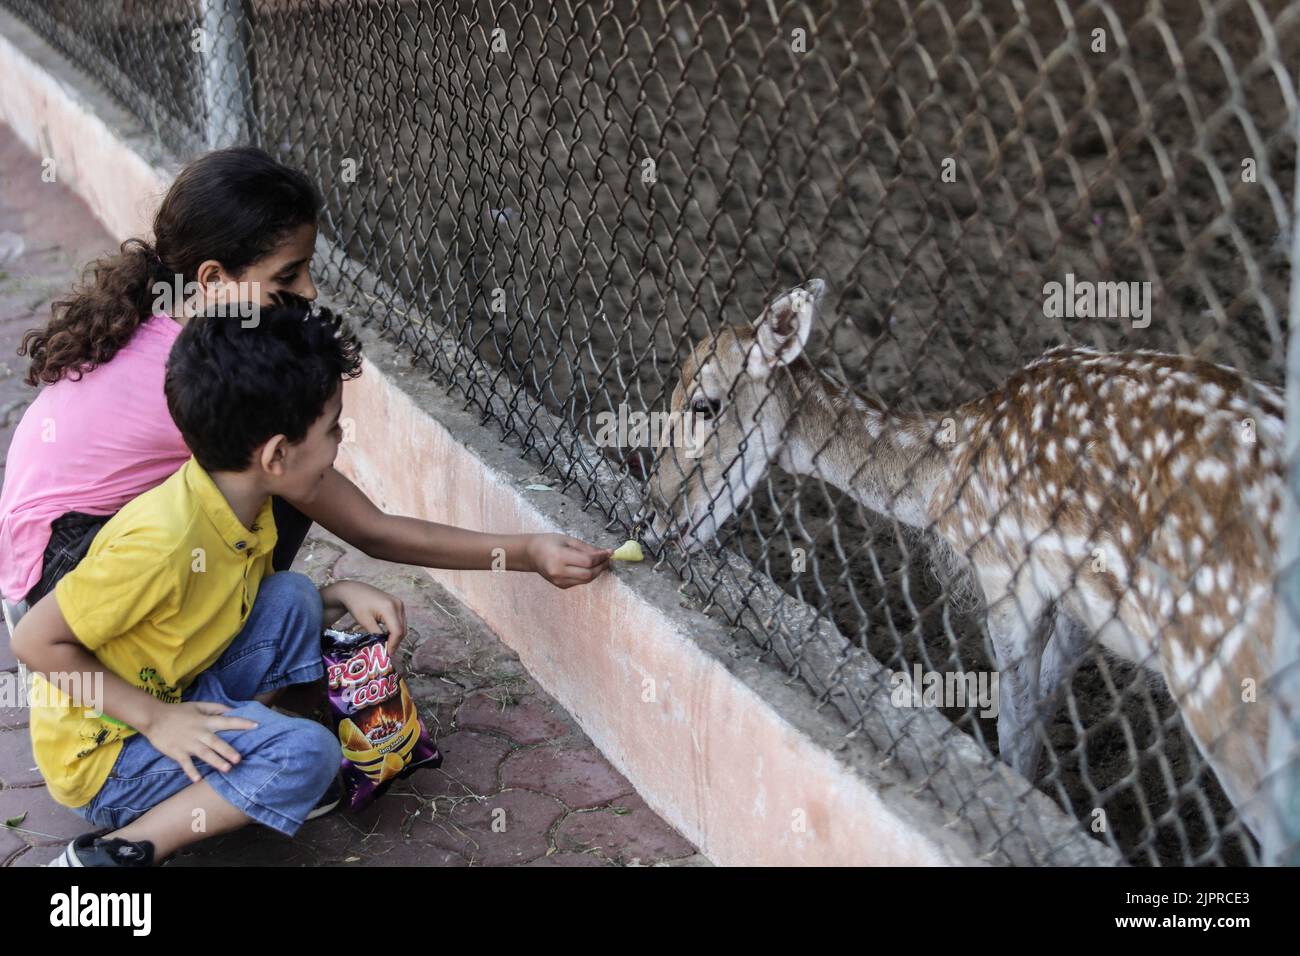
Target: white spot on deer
x=1205, y=579
x=1204, y=682
x=1166, y=605
x=1211, y=471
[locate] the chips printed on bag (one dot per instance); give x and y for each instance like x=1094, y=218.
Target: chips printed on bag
x=380, y=732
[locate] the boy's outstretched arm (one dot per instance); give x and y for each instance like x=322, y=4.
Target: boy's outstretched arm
x=343, y=509
x=45, y=643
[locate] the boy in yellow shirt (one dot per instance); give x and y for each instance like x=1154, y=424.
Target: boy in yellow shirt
x=176, y=621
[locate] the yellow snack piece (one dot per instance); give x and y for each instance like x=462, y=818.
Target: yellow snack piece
x=630, y=551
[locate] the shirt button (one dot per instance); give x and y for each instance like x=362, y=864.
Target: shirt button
x=239, y=546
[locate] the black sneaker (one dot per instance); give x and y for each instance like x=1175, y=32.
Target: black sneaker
x=332, y=798
x=90, y=850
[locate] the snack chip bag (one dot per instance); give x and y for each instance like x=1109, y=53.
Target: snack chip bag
x=380, y=731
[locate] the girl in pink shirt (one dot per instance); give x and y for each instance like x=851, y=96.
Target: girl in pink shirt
x=235, y=226
x=83, y=449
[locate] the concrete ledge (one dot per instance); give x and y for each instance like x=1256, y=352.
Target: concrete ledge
x=724, y=746
x=97, y=147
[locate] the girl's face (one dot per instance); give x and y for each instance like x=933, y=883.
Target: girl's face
x=286, y=269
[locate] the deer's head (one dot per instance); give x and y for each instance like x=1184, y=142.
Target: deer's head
x=730, y=413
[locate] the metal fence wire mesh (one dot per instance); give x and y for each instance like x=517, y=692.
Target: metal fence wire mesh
x=551, y=205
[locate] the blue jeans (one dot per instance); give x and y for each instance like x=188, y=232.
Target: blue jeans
x=286, y=763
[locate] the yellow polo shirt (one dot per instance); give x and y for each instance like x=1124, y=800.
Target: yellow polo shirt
x=166, y=586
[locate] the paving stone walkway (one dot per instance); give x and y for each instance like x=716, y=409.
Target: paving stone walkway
x=520, y=783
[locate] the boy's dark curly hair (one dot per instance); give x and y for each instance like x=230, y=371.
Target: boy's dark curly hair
x=233, y=205
x=230, y=388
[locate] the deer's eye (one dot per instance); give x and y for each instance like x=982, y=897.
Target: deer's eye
x=705, y=407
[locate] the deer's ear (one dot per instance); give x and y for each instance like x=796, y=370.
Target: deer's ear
x=782, y=330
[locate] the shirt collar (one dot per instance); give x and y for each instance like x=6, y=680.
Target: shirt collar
x=257, y=540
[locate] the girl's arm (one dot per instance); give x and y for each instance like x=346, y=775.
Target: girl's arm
x=343, y=509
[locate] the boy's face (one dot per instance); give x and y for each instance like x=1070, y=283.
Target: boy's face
x=303, y=466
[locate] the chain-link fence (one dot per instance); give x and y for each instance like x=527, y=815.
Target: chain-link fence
x=549, y=205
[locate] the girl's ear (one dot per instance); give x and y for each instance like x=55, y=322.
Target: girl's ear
x=213, y=282
x=210, y=272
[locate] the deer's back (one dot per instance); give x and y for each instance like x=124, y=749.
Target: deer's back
x=1140, y=484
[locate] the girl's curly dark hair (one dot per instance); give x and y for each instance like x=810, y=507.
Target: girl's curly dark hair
x=231, y=205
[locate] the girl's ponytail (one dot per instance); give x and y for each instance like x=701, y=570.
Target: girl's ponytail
x=233, y=206
x=97, y=318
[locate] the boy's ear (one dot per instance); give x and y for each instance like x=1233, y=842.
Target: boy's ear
x=273, y=455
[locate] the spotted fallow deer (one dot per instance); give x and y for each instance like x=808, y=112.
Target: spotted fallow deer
x=1130, y=498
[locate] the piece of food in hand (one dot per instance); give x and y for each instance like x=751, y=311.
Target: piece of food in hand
x=630, y=551
x=381, y=736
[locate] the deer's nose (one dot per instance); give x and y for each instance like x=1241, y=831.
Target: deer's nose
x=645, y=526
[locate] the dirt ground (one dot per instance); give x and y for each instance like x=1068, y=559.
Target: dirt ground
x=525, y=169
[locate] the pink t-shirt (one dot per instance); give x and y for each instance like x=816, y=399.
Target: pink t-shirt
x=89, y=446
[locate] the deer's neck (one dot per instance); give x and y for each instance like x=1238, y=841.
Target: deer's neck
x=886, y=461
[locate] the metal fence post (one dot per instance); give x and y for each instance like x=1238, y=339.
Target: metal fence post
x=227, y=79
x=1281, y=844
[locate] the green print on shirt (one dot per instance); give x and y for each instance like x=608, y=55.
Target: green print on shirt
x=100, y=736
x=152, y=684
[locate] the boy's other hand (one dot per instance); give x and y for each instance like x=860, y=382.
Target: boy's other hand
x=373, y=609
x=188, y=730
x=566, y=561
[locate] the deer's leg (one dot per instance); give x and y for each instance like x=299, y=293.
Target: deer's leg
x=1015, y=629
x=1231, y=734
x=1065, y=645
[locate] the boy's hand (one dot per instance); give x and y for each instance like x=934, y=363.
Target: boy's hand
x=188, y=729
x=370, y=606
x=566, y=561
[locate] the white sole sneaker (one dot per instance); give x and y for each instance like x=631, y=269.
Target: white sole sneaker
x=66, y=858
x=331, y=799
x=96, y=852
